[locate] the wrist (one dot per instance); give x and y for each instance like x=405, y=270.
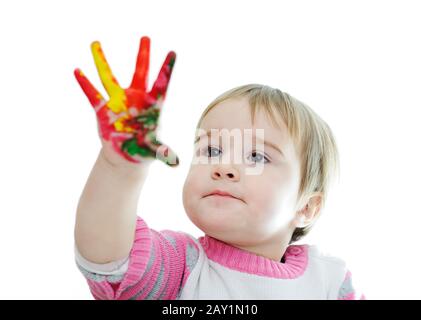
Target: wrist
x=123, y=167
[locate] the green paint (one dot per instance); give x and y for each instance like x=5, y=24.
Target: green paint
x=132, y=148
x=149, y=117
x=172, y=61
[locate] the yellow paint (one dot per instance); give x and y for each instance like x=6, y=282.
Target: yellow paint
x=120, y=127
x=118, y=99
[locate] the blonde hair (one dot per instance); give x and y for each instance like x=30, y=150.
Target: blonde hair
x=311, y=135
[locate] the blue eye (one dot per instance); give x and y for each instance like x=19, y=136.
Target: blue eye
x=259, y=156
x=209, y=151
x=212, y=152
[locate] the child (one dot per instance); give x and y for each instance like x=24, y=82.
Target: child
x=249, y=218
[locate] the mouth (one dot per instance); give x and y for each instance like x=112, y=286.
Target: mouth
x=221, y=195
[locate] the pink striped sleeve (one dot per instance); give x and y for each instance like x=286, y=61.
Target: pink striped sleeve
x=347, y=291
x=159, y=265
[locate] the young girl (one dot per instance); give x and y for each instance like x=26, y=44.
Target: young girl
x=249, y=219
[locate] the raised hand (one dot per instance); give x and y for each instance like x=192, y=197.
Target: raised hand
x=127, y=122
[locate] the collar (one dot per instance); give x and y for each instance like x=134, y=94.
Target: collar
x=296, y=259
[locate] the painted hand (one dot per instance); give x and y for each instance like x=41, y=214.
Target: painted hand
x=127, y=122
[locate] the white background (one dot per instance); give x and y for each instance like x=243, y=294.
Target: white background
x=355, y=63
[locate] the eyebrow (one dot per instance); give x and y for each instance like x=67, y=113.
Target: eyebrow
x=268, y=143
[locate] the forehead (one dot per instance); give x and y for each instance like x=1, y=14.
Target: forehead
x=235, y=113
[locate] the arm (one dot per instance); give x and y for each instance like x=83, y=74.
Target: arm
x=156, y=264
x=158, y=267
x=127, y=123
x=106, y=213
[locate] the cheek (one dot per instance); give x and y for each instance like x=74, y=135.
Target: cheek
x=271, y=198
x=193, y=186
x=260, y=197
x=264, y=201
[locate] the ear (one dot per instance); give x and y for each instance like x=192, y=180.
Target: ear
x=310, y=212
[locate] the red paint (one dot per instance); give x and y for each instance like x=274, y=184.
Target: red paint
x=136, y=97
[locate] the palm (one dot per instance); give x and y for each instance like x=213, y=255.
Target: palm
x=128, y=121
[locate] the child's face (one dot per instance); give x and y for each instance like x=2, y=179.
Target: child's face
x=266, y=203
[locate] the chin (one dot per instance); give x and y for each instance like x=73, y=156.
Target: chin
x=217, y=224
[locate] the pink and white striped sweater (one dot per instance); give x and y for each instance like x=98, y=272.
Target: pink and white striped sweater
x=174, y=265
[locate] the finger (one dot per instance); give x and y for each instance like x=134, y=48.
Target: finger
x=93, y=95
x=164, y=153
x=160, y=86
x=107, y=78
x=140, y=77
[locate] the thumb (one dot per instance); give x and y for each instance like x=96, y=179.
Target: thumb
x=164, y=153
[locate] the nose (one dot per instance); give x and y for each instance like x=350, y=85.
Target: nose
x=225, y=172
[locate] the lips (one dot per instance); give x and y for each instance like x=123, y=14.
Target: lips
x=221, y=193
